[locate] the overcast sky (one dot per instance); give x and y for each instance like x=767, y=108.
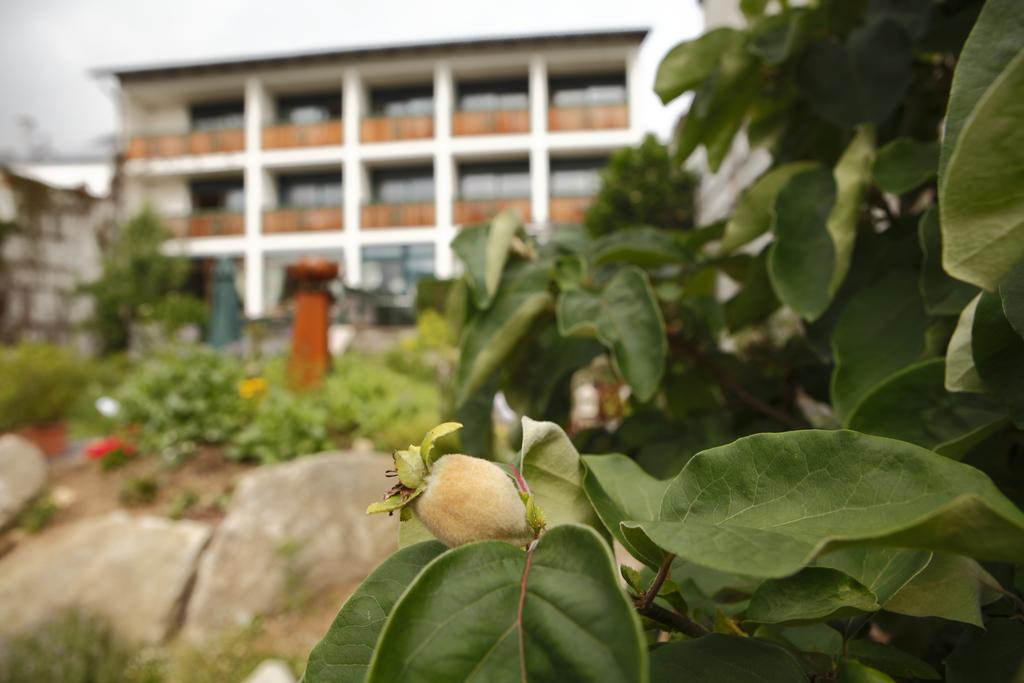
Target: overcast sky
x=47, y=47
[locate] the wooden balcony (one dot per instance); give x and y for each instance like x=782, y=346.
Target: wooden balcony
x=208, y=224
x=588, y=118
x=409, y=215
x=569, y=210
x=284, y=135
x=490, y=122
x=384, y=128
x=196, y=142
x=302, y=219
x=470, y=211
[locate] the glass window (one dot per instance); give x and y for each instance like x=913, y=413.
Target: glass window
x=395, y=269
x=396, y=186
x=576, y=177
x=311, y=108
x=494, y=181
x=492, y=96
x=418, y=101
x=310, y=190
x=278, y=288
x=217, y=115
x=218, y=195
x=588, y=91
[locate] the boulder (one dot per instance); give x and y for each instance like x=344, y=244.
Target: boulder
x=135, y=571
x=293, y=531
x=22, y=475
x=271, y=671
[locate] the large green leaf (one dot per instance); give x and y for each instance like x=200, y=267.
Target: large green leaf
x=998, y=353
x=852, y=175
x=776, y=37
x=862, y=81
x=718, y=658
x=950, y=587
x=492, y=336
x=852, y=671
x=980, y=198
x=621, y=490
x=767, y=504
x=753, y=214
x=883, y=571
x=756, y=300
x=995, y=39
x=626, y=318
x=343, y=655
x=890, y=660
x=802, y=259
x=489, y=611
x=942, y=294
x=813, y=594
x=642, y=246
x=554, y=472
x=689, y=63
x=483, y=250
x=913, y=405
x=881, y=331
x=995, y=655
x=1011, y=291
x=961, y=375
x=904, y=164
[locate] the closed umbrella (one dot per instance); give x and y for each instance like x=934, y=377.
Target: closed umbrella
x=225, y=322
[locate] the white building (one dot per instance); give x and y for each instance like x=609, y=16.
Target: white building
x=374, y=157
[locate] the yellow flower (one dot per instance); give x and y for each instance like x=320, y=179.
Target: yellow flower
x=252, y=387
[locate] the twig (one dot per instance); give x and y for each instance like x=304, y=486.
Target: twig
x=673, y=620
x=647, y=599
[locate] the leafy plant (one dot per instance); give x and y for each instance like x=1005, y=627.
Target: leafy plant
x=38, y=515
x=885, y=299
x=283, y=427
x=139, y=491
x=182, y=503
x=39, y=384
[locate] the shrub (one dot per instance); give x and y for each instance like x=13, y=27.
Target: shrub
x=284, y=426
x=39, y=384
x=38, y=515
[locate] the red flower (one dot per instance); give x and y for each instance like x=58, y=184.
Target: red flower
x=98, y=450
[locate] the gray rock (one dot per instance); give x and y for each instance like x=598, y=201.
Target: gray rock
x=293, y=531
x=271, y=671
x=22, y=475
x=135, y=571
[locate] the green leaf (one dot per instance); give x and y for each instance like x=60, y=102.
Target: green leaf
x=880, y=331
x=343, y=655
x=813, y=594
x=756, y=300
x=961, y=375
x=689, y=63
x=942, y=294
x=802, y=259
x=950, y=587
x=620, y=490
x=438, y=432
x=767, y=504
x=883, y=571
x=852, y=671
x=642, y=246
x=995, y=39
x=483, y=249
x=852, y=175
x=554, y=472
x=753, y=213
x=718, y=658
x=862, y=81
x=489, y=611
x=891, y=660
x=411, y=531
x=913, y=405
x=777, y=36
x=905, y=164
x=998, y=353
x=995, y=655
x=982, y=208
x=626, y=318
x=1011, y=291
x=492, y=336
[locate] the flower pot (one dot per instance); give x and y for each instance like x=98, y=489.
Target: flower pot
x=51, y=439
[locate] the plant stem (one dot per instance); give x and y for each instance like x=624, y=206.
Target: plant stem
x=647, y=599
x=673, y=620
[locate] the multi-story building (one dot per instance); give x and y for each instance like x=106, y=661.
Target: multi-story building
x=374, y=157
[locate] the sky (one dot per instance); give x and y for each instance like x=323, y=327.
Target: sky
x=48, y=47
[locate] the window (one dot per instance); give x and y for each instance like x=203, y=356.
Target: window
x=218, y=195
x=494, y=181
x=397, y=186
x=217, y=115
x=310, y=190
x=492, y=96
x=576, y=177
x=418, y=101
x=311, y=108
x=395, y=269
x=588, y=91
x=278, y=288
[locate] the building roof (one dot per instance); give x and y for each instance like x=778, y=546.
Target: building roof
x=169, y=70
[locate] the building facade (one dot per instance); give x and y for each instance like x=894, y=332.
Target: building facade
x=374, y=157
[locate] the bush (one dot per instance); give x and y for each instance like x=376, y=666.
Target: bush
x=175, y=311
x=284, y=426
x=39, y=384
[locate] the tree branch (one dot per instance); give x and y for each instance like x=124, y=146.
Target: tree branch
x=647, y=599
x=673, y=620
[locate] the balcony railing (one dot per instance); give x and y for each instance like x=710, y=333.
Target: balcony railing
x=405, y=215
x=208, y=224
x=588, y=118
x=282, y=135
x=469, y=211
x=568, y=210
x=490, y=122
x=195, y=142
x=383, y=128
x=302, y=219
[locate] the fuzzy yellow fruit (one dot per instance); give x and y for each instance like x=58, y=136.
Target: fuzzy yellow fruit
x=469, y=499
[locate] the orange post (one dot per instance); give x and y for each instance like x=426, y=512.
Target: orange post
x=309, y=358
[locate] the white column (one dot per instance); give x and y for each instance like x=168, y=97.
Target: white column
x=352, y=104
x=254, y=102
x=540, y=166
x=444, y=168
x=636, y=92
